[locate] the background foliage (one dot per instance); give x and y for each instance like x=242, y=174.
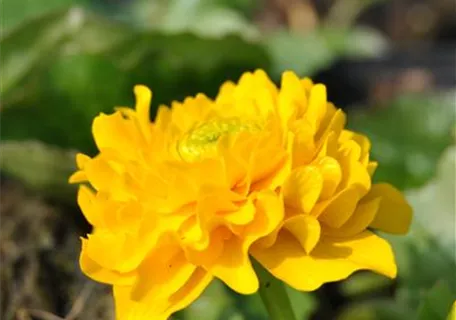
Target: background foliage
x=65, y=61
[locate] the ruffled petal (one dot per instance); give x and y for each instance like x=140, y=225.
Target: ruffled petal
x=394, y=214
x=234, y=268
x=317, y=105
x=302, y=188
x=116, y=133
x=336, y=211
x=78, y=177
x=159, y=308
x=86, y=198
x=332, y=175
x=359, y=221
x=143, y=99
x=162, y=273
x=331, y=260
x=306, y=229
x=101, y=274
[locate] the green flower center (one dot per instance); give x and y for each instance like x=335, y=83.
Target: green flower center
x=203, y=138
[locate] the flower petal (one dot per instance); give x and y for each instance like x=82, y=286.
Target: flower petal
x=143, y=99
x=292, y=98
x=337, y=210
x=317, y=105
x=81, y=160
x=303, y=146
x=331, y=260
x=162, y=273
x=234, y=267
x=152, y=307
x=116, y=133
x=332, y=175
x=78, y=177
x=306, y=229
x=302, y=188
x=359, y=221
x=98, y=273
x=394, y=214
x=86, y=197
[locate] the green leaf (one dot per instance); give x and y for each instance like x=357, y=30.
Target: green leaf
x=41, y=168
x=30, y=44
x=211, y=305
x=437, y=303
x=434, y=203
x=408, y=136
x=363, y=283
x=16, y=11
x=426, y=254
x=304, y=54
x=38, y=42
x=379, y=309
x=303, y=303
x=73, y=91
x=205, y=18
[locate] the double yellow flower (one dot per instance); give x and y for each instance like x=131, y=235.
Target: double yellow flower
x=260, y=173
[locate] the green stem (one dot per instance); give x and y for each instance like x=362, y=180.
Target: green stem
x=274, y=295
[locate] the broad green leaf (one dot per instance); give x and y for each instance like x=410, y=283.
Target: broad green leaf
x=41, y=168
x=436, y=304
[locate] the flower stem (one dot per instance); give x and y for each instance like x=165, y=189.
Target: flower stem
x=274, y=295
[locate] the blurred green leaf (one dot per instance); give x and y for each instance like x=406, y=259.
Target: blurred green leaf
x=41, y=168
x=408, y=137
x=437, y=303
x=308, y=53
x=211, y=305
x=70, y=94
x=40, y=41
x=434, y=203
x=206, y=18
x=426, y=254
x=304, y=54
x=363, y=283
x=303, y=303
x=376, y=310
x=16, y=11
x=30, y=44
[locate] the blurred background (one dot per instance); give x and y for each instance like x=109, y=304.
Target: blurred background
x=390, y=64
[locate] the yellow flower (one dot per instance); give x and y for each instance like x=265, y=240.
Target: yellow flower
x=260, y=172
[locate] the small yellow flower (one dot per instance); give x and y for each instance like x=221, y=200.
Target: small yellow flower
x=260, y=172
